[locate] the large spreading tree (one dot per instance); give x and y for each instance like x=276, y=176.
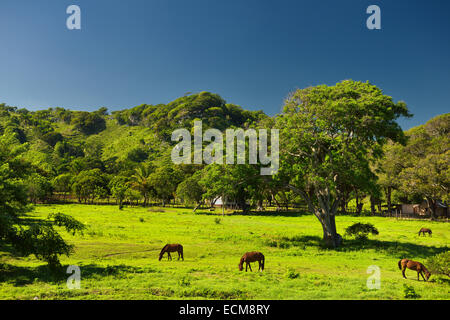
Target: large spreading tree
x=328, y=137
x=27, y=236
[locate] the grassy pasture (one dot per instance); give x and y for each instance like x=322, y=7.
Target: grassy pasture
x=118, y=257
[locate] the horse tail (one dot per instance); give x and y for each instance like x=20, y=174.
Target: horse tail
x=262, y=262
x=400, y=264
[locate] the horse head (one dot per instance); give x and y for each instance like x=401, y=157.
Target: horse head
x=241, y=264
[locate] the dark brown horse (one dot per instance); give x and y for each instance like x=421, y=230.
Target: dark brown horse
x=425, y=230
x=414, y=265
x=172, y=248
x=252, y=257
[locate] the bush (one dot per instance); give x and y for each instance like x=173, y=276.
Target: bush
x=361, y=230
x=440, y=264
x=409, y=292
x=291, y=274
x=217, y=220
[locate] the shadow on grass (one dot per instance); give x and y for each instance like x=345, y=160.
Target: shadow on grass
x=20, y=276
x=393, y=248
x=256, y=213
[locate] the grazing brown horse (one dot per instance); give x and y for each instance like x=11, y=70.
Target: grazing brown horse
x=252, y=257
x=172, y=248
x=414, y=265
x=425, y=230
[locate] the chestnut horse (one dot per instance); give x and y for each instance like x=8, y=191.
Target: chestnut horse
x=425, y=230
x=252, y=257
x=172, y=248
x=414, y=265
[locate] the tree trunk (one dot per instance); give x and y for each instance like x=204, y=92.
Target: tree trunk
x=198, y=206
x=259, y=206
x=326, y=213
x=372, y=205
x=276, y=202
x=330, y=236
x=388, y=199
x=432, y=205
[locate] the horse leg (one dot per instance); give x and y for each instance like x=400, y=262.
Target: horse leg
x=169, y=256
x=250, y=266
x=403, y=272
x=418, y=272
x=246, y=265
x=421, y=273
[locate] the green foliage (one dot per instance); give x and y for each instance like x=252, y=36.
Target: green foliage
x=292, y=274
x=39, y=188
x=137, y=155
x=119, y=186
x=65, y=149
x=190, y=189
x=425, y=159
x=361, y=230
x=69, y=223
x=181, y=113
x=52, y=138
x=89, y=184
x=89, y=122
x=329, y=136
x=439, y=264
x=409, y=292
x=27, y=236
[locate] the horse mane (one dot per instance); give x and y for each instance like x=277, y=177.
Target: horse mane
x=425, y=269
x=163, y=249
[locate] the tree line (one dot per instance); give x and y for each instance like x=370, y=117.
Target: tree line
x=338, y=144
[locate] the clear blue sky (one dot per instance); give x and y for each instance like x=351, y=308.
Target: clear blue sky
x=251, y=52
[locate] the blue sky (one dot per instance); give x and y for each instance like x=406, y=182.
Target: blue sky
x=251, y=52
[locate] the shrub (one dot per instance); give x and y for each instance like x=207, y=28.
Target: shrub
x=361, y=230
x=440, y=264
x=409, y=292
x=217, y=220
x=291, y=274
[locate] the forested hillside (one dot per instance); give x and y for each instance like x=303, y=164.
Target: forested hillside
x=339, y=145
x=62, y=145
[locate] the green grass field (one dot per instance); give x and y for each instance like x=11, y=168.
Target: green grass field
x=118, y=257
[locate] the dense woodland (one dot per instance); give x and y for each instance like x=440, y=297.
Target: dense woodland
x=340, y=146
